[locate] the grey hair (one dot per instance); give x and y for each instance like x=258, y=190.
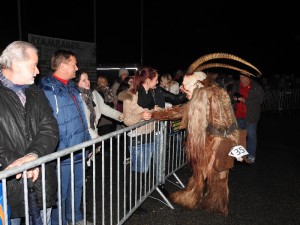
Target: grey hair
x=15, y=51
x=123, y=70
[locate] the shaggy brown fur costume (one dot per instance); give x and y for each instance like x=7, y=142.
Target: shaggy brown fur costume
x=210, y=107
x=207, y=188
x=211, y=128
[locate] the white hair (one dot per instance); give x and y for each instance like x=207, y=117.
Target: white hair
x=15, y=51
x=122, y=71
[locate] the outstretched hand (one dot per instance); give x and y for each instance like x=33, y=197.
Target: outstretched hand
x=146, y=115
x=186, y=92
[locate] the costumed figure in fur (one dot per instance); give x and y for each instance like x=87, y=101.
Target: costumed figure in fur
x=211, y=132
x=209, y=117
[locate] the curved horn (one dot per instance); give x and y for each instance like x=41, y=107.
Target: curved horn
x=222, y=65
x=218, y=55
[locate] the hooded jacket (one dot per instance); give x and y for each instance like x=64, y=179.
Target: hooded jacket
x=24, y=130
x=67, y=106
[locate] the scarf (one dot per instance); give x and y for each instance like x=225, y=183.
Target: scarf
x=109, y=96
x=18, y=89
x=146, y=100
x=87, y=97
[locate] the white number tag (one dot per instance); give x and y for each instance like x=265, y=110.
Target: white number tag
x=238, y=151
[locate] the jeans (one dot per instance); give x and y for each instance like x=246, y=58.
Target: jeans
x=251, y=135
x=141, y=155
x=17, y=221
x=66, y=200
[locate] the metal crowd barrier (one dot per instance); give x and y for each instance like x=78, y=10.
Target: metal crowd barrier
x=275, y=100
x=113, y=189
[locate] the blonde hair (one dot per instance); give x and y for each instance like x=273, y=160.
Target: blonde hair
x=167, y=79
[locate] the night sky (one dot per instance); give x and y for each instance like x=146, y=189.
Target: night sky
x=174, y=34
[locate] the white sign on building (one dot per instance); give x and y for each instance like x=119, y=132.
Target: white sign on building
x=85, y=52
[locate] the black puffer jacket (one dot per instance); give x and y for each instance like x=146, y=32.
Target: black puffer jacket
x=32, y=129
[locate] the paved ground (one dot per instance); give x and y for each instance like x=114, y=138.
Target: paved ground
x=266, y=193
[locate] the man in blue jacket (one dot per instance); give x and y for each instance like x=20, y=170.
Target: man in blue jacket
x=68, y=110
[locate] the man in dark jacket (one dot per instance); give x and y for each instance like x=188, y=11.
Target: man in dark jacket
x=247, y=96
x=28, y=127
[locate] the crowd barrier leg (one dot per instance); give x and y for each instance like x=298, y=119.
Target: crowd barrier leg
x=178, y=180
x=162, y=161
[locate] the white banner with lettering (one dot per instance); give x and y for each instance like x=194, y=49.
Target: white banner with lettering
x=85, y=52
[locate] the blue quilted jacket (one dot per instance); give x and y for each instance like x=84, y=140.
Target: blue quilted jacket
x=69, y=114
